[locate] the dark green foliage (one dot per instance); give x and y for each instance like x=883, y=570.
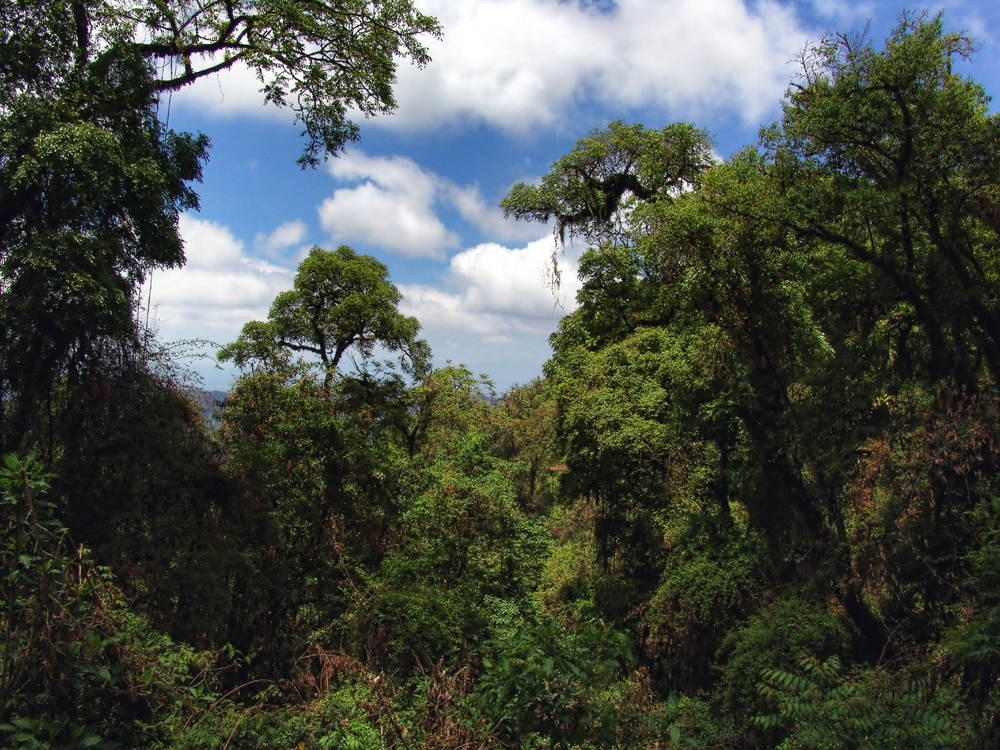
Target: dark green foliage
x=141, y=481
x=974, y=642
x=467, y=562
x=328, y=483
x=871, y=710
x=893, y=158
x=554, y=683
x=93, y=184
x=590, y=190
x=774, y=638
x=764, y=451
x=79, y=669
x=714, y=577
x=779, y=387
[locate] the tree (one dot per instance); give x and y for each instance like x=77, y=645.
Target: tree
x=340, y=301
x=93, y=183
x=893, y=157
x=780, y=386
x=321, y=57
x=590, y=190
x=322, y=456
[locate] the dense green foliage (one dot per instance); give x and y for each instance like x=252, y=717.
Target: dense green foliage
x=92, y=182
x=753, y=502
x=340, y=303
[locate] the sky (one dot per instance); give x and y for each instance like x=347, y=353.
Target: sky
x=512, y=85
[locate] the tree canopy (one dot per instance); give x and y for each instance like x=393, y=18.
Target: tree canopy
x=93, y=182
x=340, y=302
x=321, y=58
x=591, y=190
x=752, y=503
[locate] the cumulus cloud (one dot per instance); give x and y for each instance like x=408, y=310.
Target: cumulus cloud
x=486, y=217
x=219, y=288
x=497, y=293
x=496, y=308
x=395, y=206
x=281, y=239
x=520, y=64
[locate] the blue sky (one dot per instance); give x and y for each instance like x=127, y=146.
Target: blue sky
x=512, y=85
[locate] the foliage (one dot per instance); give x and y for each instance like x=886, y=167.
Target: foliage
x=779, y=385
x=769, y=429
x=78, y=668
x=93, y=184
x=340, y=302
x=522, y=432
x=466, y=563
x=448, y=402
x=874, y=710
x=714, y=577
x=320, y=58
x=974, y=642
x=550, y=682
x=141, y=481
x=774, y=638
x=328, y=482
x=893, y=157
x=591, y=190
x=573, y=575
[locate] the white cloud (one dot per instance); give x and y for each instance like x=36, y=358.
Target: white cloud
x=499, y=293
x=981, y=21
x=496, y=308
x=229, y=93
x=219, y=288
x=514, y=283
x=518, y=64
x=395, y=206
x=288, y=234
x=521, y=64
x=487, y=218
x=843, y=11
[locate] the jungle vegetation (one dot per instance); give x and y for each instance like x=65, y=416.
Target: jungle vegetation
x=752, y=501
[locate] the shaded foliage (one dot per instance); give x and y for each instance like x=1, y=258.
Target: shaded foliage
x=751, y=504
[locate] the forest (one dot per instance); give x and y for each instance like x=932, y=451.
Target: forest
x=751, y=502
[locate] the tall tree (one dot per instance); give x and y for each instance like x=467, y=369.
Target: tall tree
x=778, y=355
x=590, y=192
x=341, y=301
x=92, y=182
x=92, y=186
x=893, y=157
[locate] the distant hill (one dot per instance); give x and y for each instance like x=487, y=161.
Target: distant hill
x=211, y=403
